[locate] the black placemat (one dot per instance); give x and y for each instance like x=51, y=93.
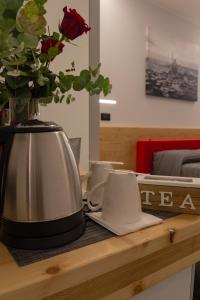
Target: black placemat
x=94, y=233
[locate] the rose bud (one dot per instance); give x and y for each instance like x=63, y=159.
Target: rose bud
x=73, y=25
x=50, y=43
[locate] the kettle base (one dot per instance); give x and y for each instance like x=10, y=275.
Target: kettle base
x=37, y=240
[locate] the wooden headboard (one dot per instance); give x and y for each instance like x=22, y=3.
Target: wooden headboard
x=120, y=143
x=146, y=149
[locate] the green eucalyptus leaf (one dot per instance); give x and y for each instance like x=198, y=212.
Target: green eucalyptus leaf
x=56, y=98
x=99, y=82
x=62, y=98
x=85, y=76
x=7, y=24
x=13, y=42
x=18, y=61
x=4, y=46
x=61, y=75
x=45, y=100
x=16, y=73
x=43, y=57
x=78, y=84
x=16, y=82
x=65, y=82
x=81, y=81
x=9, y=14
x=19, y=49
x=14, y=4
x=56, y=36
x=34, y=57
x=42, y=80
x=2, y=6
x=69, y=99
x=95, y=91
x=61, y=87
x=42, y=10
x=96, y=70
x=89, y=87
x=41, y=2
x=52, y=52
x=30, y=41
x=30, y=19
x=106, y=87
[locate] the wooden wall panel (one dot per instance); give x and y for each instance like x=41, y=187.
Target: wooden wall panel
x=119, y=143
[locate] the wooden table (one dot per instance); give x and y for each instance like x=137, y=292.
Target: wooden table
x=122, y=266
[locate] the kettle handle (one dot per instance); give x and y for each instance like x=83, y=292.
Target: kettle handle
x=6, y=140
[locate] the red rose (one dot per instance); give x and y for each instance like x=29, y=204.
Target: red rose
x=50, y=43
x=73, y=25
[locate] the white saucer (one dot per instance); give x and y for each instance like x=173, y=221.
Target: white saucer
x=146, y=220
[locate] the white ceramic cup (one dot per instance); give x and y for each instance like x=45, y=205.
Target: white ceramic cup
x=121, y=203
x=98, y=173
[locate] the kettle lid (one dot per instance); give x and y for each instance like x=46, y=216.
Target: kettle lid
x=33, y=126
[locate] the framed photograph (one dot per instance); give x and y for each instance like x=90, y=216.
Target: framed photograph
x=171, y=67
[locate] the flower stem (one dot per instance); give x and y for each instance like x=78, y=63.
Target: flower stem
x=62, y=38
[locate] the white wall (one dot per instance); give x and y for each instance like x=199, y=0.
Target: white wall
x=123, y=24
x=74, y=117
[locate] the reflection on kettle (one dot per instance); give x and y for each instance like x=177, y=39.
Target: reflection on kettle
x=98, y=172
x=40, y=192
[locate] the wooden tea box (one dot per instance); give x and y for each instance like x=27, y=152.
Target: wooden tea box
x=168, y=193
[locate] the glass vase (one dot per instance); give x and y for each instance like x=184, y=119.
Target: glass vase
x=22, y=109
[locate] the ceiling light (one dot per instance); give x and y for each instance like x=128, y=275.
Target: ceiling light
x=106, y=101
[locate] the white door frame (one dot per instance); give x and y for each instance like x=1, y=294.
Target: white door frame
x=94, y=59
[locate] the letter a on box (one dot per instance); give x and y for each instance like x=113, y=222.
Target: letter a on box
x=187, y=201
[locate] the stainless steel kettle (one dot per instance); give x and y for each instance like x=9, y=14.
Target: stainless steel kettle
x=40, y=192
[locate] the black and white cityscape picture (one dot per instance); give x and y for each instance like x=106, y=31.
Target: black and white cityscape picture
x=171, y=71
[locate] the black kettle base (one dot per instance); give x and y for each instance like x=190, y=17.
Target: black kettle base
x=42, y=235
x=44, y=242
